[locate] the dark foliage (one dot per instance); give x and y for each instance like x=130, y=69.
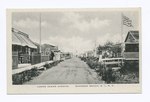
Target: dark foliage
x=129, y=73
x=24, y=76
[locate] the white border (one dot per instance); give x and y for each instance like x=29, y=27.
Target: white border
x=75, y=4
x=21, y=89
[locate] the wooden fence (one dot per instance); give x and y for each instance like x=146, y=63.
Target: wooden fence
x=35, y=58
x=45, y=58
x=131, y=55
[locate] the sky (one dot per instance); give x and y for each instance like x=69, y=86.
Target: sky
x=75, y=31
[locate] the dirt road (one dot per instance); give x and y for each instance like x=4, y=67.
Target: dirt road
x=71, y=71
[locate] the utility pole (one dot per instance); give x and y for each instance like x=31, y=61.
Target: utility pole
x=40, y=29
x=122, y=43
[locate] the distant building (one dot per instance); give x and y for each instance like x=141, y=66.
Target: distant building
x=48, y=52
x=131, y=50
x=46, y=49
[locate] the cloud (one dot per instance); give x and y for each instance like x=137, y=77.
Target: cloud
x=71, y=17
x=73, y=44
x=78, y=22
x=71, y=31
x=29, y=23
x=109, y=37
x=93, y=24
x=79, y=44
x=26, y=23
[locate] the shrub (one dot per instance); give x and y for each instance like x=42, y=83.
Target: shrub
x=24, y=76
x=108, y=76
x=47, y=65
x=34, y=72
x=131, y=66
x=91, y=61
x=17, y=79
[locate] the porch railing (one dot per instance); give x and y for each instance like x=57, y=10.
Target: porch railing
x=131, y=55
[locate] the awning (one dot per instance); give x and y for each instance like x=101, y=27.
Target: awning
x=19, y=39
x=15, y=40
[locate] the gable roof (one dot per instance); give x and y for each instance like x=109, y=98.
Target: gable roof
x=133, y=36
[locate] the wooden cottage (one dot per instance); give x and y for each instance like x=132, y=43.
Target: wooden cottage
x=22, y=48
x=131, y=50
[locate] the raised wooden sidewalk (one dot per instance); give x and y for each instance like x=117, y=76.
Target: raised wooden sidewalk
x=19, y=70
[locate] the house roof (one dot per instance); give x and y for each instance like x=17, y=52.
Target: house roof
x=37, y=44
x=48, y=46
x=133, y=36
x=22, y=39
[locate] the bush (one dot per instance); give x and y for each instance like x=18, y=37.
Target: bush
x=131, y=66
x=129, y=72
x=24, y=76
x=17, y=78
x=47, y=65
x=91, y=64
x=91, y=61
x=128, y=78
x=108, y=75
x=83, y=58
x=34, y=72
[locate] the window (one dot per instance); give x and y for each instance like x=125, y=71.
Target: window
x=132, y=48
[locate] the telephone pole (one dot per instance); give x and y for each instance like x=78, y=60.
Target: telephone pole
x=40, y=30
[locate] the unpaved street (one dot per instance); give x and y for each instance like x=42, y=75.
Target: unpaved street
x=71, y=71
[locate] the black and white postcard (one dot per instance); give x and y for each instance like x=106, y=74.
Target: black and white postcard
x=74, y=50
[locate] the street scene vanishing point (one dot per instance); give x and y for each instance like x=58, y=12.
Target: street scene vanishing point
x=99, y=46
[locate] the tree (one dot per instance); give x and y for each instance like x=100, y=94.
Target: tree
x=100, y=48
x=116, y=49
x=109, y=47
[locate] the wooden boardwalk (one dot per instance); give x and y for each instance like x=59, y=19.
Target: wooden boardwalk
x=39, y=65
